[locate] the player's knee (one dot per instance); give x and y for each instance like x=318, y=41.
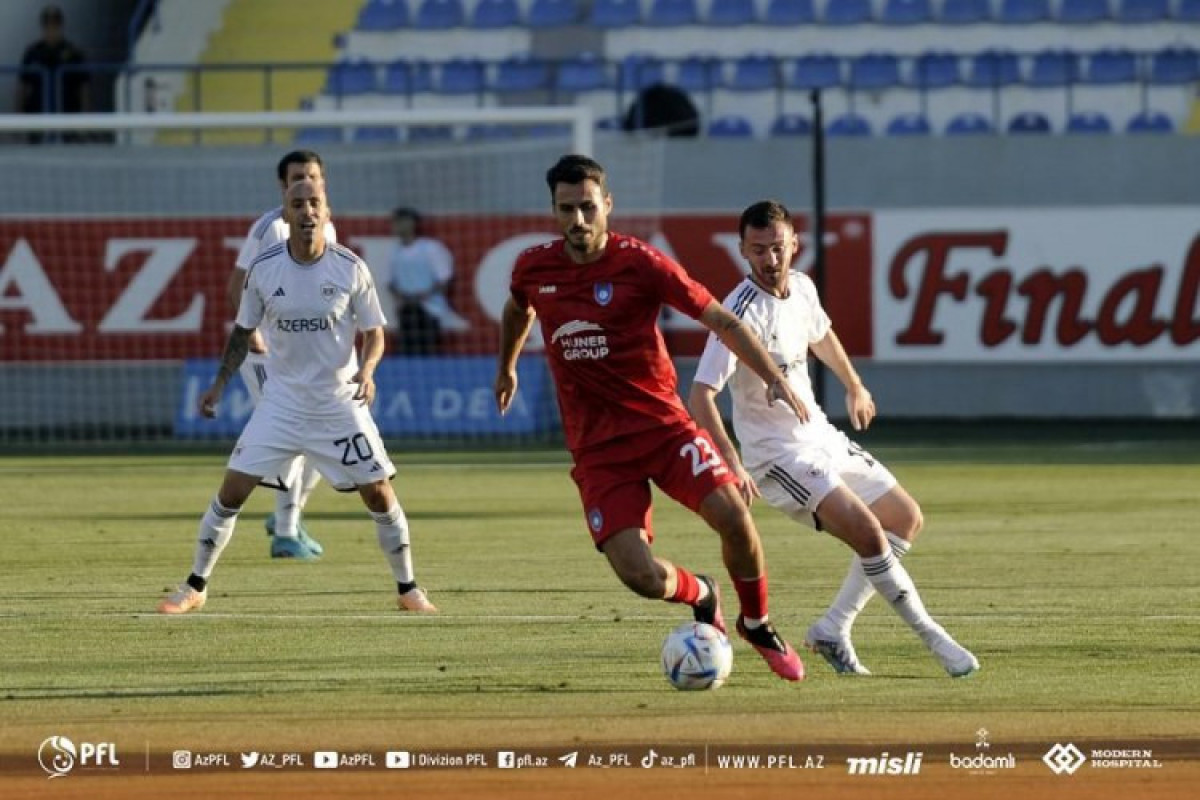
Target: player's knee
x=728, y=516
x=378, y=496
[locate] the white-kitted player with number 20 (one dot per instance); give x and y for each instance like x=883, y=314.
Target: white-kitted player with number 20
x=313, y=297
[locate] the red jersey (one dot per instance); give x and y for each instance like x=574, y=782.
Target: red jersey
x=600, y=326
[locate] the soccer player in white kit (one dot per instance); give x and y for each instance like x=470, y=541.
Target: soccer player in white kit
x=298, y=478
x=810, y=470
x=313, y=297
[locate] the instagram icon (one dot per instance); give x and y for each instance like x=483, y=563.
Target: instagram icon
x=181, y=759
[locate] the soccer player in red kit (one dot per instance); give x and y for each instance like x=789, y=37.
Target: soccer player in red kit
x=598, y=295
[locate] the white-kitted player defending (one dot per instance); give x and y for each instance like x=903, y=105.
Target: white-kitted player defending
x=810, y=470
x=313, y=297
x=296, y=479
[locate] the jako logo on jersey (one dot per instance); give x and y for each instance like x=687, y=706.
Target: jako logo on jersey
x=595, y=520
x=302, y=325
x=604, y=293
x=549, y=289
x=575, y=342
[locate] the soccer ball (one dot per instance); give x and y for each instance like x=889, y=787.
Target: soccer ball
x=696, y=656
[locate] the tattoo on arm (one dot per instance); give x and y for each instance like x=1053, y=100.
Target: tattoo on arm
x=235, y=353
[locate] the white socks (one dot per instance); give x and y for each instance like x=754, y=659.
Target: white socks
x=893, y=583
x=301, y=478
x=216, y=529
x=392, y=529
x=857, y=588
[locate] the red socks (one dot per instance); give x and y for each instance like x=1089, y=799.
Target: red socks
x=687, y=588
x=752, y=594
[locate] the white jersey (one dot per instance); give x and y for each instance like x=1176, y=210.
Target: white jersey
x=311, y=313
x=268, y=230
x=786, y=327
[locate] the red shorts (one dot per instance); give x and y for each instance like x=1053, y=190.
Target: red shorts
x=684, y=463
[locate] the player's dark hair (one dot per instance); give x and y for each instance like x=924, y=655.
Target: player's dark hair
x=575, y=169
x=298, y=157
x=407, y=212
x=764, y=214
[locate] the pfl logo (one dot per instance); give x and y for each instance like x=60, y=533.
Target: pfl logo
x=58, y=755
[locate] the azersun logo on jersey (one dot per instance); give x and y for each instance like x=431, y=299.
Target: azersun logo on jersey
x=603, y=293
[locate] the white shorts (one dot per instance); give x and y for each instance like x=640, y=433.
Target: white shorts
x=254, y=374
x=803, y=475
x=347, y=450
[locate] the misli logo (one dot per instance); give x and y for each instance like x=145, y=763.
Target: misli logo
x=1064, y=759
x=884, y=764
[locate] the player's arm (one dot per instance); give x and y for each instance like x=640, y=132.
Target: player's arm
x=702, y=402
x=859, y=403
x=235, y=353
x=743, y=344
x=515, y=324
x=237, y=283
x=372, y=352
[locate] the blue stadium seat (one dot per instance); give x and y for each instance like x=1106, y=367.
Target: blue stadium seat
x=912, y=123
x=1083, y=11
x=439, y=15
x=968, y=123
x=1053, y=68
x=790, y=12
x=669, y=13
x=522, y=73
x=403, y=77
x=699, y=73
x=461, y=76
x=1023, y=12
x=383, y=15
x=552, y=13
x=493, y=132
x=1142, y=10
x=1029, y=122
x=875, y=71
x=994, y=68
x=815, y=71
x=615, y=13
x=791, y=124
x=754, y=72
x=609, y=123
x=493, y=14
x=349, y=78
x=732, y=126
x=1089, y=122
x=936, y=70
x=847, y=12
x=1106, y=67
x=583, y=73
x=906, y=12
x=318, y=136
x=430, y=133
x=731, y=12
x=965, y=12
x=849, y=124
x=368, y=134
x=639, y=70
x=1150, y=122
x=1188, y=11
x=1174, y=65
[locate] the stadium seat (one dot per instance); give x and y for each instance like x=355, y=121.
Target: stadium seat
x=849, y=124
x=1174, y=65
x=1150, y=122
x=1106, y=67
x=791, y=124
x=670, y=13
x=815, y=71
x=439, y=15
x=552, y=13
x=1083, y=11
x=847, y=12
x=493, y=132
x=493, y=14
x=936, y=70
x=727, y=13
x=318, y=136
x=731, y=126
x=383, y=15
x=615, y=13
x=639, y=70
x=1029, y=122
x=609, y=123
x=875, y=71
x=1089, y=122
x=968, y=123
x=905, y=12
x=965, y=12
x=461, y=76
x=430, y=133
x=993, y=68
x=911, y=123
x=1023, y=12
x=790, y=12
x=403, y=77
x=376, y=133
x=1142, y=10
x=522, y=73
x=1187, y=11
x=349, y=78
x=583, y=73
x=1053, y=68
x=700, y=72
x=754, y=72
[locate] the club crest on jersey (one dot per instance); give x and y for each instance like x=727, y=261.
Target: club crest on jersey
x=595, y=520
x=603, y=293
x=328, y=291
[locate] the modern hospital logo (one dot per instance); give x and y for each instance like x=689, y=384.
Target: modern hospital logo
x=1064, y=759
x=581, y=339
x=603, y=293
x=58, y=755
